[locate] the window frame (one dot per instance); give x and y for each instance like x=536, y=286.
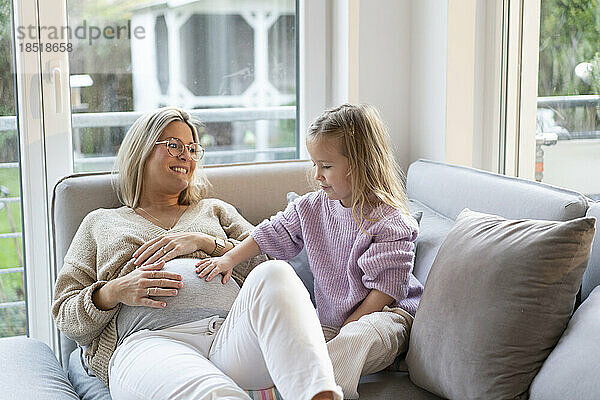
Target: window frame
x=496, y=131
x=312, y=62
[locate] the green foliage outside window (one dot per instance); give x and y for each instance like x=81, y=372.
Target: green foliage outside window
x=570, y=35
x=7, y=103
x=12, y=320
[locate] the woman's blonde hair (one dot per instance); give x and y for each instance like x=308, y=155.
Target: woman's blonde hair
x=375, y=176
x=137, y=145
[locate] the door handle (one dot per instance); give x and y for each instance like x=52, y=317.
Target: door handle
x=57, y=75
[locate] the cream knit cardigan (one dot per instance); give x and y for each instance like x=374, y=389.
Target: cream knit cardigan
x=101, y=250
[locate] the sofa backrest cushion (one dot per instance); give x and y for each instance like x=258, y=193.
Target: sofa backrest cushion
x=257, y=190
x=449, y=189
x=433, y=228
x=570, y=371
x=442, y=191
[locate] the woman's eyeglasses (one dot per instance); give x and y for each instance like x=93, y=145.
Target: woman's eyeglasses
x=175, y=147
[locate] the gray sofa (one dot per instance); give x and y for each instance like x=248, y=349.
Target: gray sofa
x=440, y=191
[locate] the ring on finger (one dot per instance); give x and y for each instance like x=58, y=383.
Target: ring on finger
x=164, y=251
x=148, y=292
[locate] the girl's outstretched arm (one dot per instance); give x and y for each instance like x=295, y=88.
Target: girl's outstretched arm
x=375, y=301
x=224, y=264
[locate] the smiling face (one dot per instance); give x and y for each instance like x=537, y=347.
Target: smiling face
x=167, y=175
x=331, y=169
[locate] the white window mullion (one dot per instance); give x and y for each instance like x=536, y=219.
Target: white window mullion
x=58, y=154
x=313, y=49
x=33, y=179
x=518, y=151
x=529, y=85
x=56, y=96
x=45, y=154
x=488, y=84
x=509, y=139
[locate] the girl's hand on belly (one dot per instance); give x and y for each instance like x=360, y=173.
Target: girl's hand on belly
x=211, y=267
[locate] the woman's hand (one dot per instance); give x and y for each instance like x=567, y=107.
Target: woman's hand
x=137, y=287
x=214, y=266
x=167, y=247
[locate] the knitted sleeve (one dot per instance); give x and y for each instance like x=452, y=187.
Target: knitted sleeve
x=388, y=262
x=237, y=229
x=281, y=236
x=73, y=309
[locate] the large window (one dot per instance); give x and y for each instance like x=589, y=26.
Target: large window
x=568, y=113
x=13, y=317
x=232, y=63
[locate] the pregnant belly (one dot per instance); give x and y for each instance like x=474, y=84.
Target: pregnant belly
x=197, y=300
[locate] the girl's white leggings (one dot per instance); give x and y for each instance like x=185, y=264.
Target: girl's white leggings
x=271, y=336
x=366, y=346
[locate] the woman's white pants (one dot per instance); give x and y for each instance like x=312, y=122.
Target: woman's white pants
x=271, y=336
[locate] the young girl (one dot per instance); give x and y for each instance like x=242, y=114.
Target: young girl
x=359, y=238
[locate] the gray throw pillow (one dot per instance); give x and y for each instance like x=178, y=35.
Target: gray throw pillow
x=570, y=371
x=497, y=299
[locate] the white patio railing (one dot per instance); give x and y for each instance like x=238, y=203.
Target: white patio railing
x=116, y=119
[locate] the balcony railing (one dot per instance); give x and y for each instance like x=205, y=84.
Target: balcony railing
x=571, y=101
x=562, y=102
x=12, y=304
x=11, y=270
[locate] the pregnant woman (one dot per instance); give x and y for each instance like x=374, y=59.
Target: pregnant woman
x=151, y=329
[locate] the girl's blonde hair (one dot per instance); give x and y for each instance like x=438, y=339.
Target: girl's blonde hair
x=374, y=174
x=137, y=145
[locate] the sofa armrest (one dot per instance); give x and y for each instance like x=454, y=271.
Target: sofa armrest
x=570, y=371
x=31, y=371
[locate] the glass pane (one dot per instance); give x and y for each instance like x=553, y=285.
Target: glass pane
x=205, y=56
x=13, y=314
x=568, y=123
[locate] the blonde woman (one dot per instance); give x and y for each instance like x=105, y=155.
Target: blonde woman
x=151, y=329
x=359, y=238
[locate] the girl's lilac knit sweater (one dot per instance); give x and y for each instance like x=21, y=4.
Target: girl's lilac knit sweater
x=346, y=262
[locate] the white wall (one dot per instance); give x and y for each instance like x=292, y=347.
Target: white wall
x=384, y=68
x=429, y=66
x=402, y=67
x=460, y=81
x=427, y=95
